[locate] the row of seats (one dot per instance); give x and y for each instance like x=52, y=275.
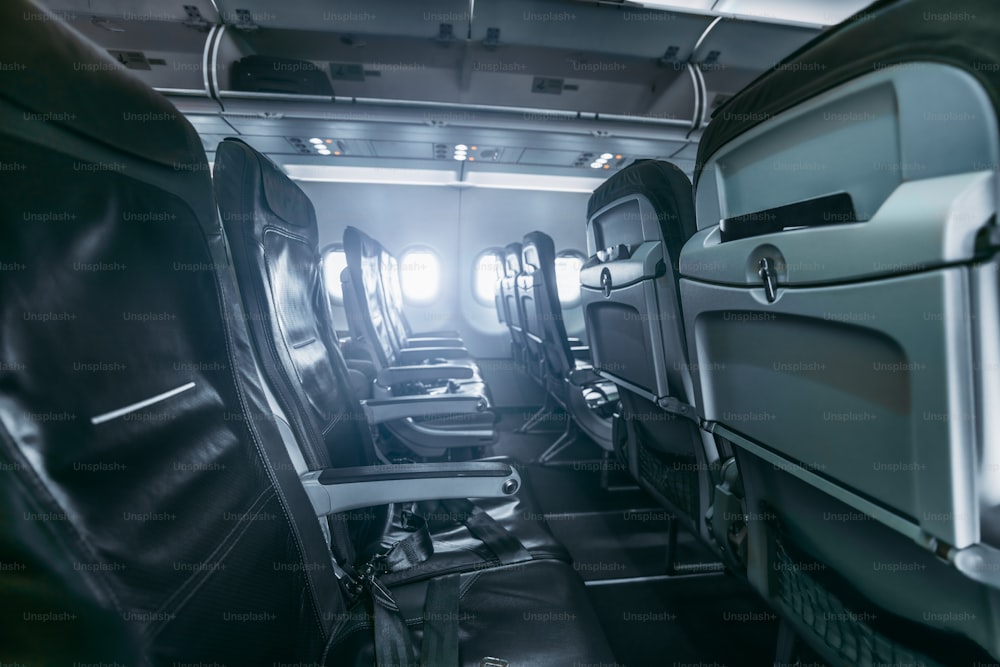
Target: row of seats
x=527, y=301
x=435, y=365
x=805, y=342
x=638, y=221
x=188, y=473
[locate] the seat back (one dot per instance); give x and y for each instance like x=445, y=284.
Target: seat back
x=140, y=470
x=638, y=221
x=498, y=303
x=511, y=303
x=851, y=307
x=543, y=310
x=271, y=228
x=399, y=328
x=364, y=297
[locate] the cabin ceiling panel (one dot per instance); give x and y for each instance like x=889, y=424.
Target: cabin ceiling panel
x=551, y=158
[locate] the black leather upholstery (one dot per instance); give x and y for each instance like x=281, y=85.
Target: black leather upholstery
x=276, y=261
x=544, y=320
x=365, y=300
x=159, y=523
x=375, y=312
x=271, y=229
x=547, y=341
x=145, y=491
x=511, y=304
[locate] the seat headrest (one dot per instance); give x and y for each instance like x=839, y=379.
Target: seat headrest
x=538, y=251
x=961, y=33
x=666, y=187
x=512, y=259
x=54, y=74
x=254, y=172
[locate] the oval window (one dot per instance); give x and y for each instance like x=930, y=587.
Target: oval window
x=420, y=275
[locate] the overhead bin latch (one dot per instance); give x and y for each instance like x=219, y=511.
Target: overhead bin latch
x=606, y=283
x=765, y=269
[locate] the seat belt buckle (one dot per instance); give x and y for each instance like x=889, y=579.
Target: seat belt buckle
x=353, y=585
x=374, y=567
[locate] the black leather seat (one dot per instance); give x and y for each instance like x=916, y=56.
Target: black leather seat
x=375, y=322
x=511, y=306
x=410, y=371
x=399, y=325
x=637, y=222
x=151, y=494
x=272, y=231
x=569, y=379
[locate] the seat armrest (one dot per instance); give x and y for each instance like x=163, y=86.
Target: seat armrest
x=581, y=352
x=423, y=373
x=391, y=409
x=573, y=340
x=417, y=355
x=340, y=490
x=433, y=341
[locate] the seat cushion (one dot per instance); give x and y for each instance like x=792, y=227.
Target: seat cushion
x=457, y=550
x=535, y=613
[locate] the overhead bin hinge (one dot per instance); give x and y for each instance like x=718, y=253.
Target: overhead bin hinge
x=492, y=40
x=547, y=85
x=446, y=33
x=244, y=20
x=669, y=56
x=131, y=59
x=711, y=60
x=767, y=274
x=195, y=20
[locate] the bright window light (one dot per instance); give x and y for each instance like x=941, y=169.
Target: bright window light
x=334, y=262
x=487, y=271
x=568, y=265
x=420, y=275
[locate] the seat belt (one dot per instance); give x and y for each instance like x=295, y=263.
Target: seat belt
x=441, y=617
x=393, y=643
x=504, y=546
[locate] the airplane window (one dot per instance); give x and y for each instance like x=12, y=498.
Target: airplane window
x=334, y=262
x=487, y=270
x=420, y=275
x=568, y=265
